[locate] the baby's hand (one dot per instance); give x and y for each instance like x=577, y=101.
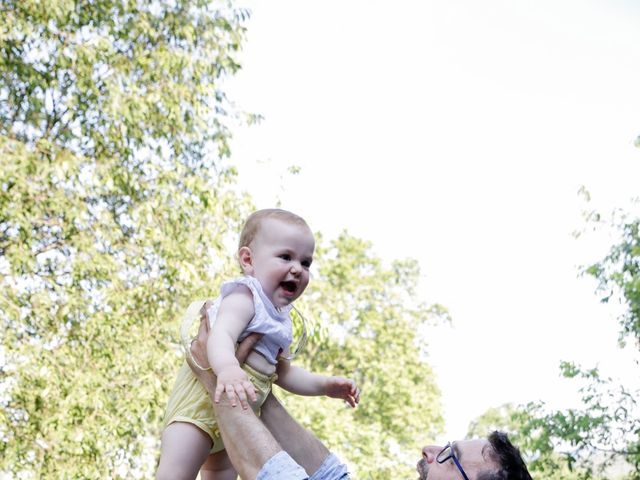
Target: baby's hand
x=235, y=383
x=344, y=388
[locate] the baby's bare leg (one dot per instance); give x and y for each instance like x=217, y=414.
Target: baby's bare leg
x=184, y=449
x=218, y=467
x=300, y=443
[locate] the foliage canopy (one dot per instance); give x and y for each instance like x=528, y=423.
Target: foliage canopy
x=116, y=211
x=600, y=440
x=110, y=208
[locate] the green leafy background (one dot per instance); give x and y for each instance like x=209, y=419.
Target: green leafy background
x=118, y=207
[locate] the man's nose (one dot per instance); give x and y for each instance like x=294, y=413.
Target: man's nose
x=430, y=453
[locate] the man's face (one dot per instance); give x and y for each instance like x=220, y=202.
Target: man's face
x=280, y=257
x=472, y=455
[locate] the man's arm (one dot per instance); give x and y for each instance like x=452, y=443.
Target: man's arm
x=247, y=441
x=237, y=425
x=303, y=446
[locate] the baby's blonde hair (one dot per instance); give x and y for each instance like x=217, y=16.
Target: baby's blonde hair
x=253, y=222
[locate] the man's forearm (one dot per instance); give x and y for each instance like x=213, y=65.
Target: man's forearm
x=297, y=441
x=247, y=441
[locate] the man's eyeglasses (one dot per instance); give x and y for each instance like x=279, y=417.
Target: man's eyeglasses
x=447, y=453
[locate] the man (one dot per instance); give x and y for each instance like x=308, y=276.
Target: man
x=278, y=448
x=493, y=459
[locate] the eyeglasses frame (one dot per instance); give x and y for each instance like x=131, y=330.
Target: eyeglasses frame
x=452, y=455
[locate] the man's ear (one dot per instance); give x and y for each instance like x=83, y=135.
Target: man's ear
x=245, y=257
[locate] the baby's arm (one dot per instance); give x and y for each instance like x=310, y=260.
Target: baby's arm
x=302, y=382
x=235, y=312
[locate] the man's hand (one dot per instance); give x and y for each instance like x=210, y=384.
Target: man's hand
x=199, y=343
x=344, y=388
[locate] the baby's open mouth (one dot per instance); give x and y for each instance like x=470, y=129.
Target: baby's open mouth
x=289, y=286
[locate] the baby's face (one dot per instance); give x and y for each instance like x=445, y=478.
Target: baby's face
x=281, y=254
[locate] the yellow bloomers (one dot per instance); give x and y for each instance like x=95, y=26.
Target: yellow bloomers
x=189, y=402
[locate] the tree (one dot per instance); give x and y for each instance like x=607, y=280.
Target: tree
x=113, y=198
x=602, y=438
x=618, y=276
x=366, y=317
x=521, y=423
x=612, y=410
x=593, y=442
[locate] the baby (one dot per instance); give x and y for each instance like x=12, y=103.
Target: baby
x=275, y=254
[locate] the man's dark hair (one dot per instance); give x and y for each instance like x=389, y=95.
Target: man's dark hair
x=507, y=458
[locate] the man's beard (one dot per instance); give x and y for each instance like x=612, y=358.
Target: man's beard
x=423, y=469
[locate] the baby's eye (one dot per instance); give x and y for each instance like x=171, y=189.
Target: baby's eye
x=306, y=263
x=285, y=256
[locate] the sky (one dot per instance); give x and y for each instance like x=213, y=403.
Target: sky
x=458, y=133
